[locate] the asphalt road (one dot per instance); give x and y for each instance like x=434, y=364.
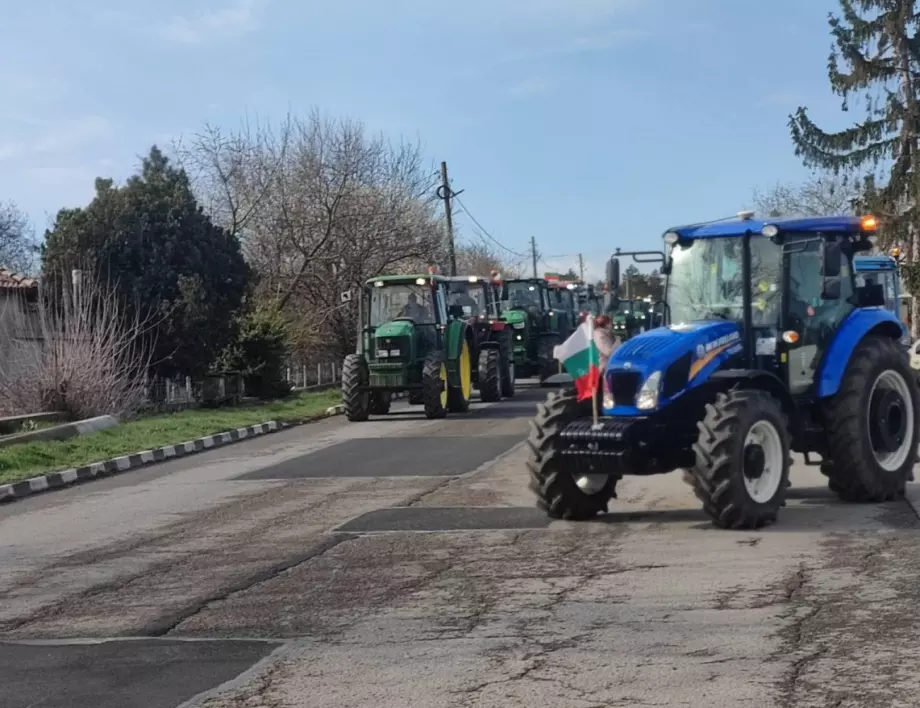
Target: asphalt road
x=401, y=562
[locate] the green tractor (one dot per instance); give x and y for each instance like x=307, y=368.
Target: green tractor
x=477, y=300
x=539, y=323
x=409, y=340
x=630, y=318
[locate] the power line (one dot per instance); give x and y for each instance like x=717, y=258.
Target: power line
x=485, y=231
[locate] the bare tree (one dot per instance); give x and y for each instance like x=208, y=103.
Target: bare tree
x=320, y=207
x=18, y=250
x=87, y=358
x=827, y=195
x=481, y=259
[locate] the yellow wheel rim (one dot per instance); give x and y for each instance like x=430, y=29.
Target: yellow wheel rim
x=443, y=386
x=466, y=373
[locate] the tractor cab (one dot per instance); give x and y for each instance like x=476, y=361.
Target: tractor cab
x=529, y=308
x=589, y=302
x=564, y=302
x=771, y=345
x=880, y=270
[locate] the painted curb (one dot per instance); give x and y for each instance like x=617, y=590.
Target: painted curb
x=96, y=470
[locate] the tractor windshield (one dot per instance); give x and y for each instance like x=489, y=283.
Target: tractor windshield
x=401, y=300
x=706, y=283
x=523, y=295
x=470, y=296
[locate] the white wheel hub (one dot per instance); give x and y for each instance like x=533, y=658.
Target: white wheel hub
x=763, y=487
x=892, y=383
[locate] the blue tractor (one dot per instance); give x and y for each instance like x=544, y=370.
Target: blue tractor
x=770, y=347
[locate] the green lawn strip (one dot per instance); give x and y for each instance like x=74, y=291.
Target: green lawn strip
x=26, y=460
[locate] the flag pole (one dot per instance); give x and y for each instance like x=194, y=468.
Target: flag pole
x=593, y=348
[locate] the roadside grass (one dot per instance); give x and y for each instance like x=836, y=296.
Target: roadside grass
x=26, y=460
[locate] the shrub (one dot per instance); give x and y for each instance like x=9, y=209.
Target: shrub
x=259, y=353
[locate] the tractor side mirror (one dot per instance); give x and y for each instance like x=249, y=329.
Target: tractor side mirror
x=455, y=311
x=613, y=274
x=831, y=259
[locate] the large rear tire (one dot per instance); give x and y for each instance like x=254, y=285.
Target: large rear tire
x=508, y=369
x=742, y=460
x=458, y=397
x=546, y=363
x=434, y=386
x=490, y=383
x=560, y=493
x=355, y=396
x=872, y=424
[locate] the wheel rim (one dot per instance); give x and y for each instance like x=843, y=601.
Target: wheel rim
x=443, y=376
x=590, y=483
x=890, y=420
x=466, y=373
x=762, y=460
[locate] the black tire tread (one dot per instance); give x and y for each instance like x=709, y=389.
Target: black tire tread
x=490, y=383
x=848, y=468
x=432, y=386
x=714, y=475
x=546, y=363
x=553, y=484
x=355, y=401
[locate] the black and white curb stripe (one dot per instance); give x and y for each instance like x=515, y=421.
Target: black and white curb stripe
x=56, y=480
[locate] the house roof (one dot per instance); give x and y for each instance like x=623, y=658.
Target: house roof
x=14, y=281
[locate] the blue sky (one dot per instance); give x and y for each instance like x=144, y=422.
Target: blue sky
x=588, y=124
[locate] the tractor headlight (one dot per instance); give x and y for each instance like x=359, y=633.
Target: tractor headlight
x=519, y=325
x=518, y=337
x=608, y=401
x=647, y=398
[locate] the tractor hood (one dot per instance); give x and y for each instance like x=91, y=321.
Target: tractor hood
x=397, y=328
x=699, y=348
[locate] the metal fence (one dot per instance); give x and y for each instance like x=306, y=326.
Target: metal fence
x=312, y=375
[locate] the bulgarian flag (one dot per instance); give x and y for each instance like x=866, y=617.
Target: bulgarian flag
x=580, y=357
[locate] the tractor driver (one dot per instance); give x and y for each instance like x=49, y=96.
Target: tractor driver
x=415, y=311
x=465, y=300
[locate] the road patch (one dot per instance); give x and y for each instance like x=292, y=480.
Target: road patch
x=391, y=457
x=447, y=518
x=120, y=674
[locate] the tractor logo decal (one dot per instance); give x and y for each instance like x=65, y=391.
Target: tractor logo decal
x=712, y=350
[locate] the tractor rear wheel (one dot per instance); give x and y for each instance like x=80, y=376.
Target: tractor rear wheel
x=434, y=385
x=458, y=397
x=563, y=491
x=508, y=368
x=355, y=396
x=490, y=375
x=872, y=424
x=546, y=362
x=380, y=403
x=742, y=459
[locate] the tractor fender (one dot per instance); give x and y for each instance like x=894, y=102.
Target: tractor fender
x=499, y=325
x=758, y=379
x=458, y=331
x=856, y=327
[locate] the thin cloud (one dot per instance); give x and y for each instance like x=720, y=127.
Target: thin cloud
x=73, y=134
x=531, y=87
x=230, y=21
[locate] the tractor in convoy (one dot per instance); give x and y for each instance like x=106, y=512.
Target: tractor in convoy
x=771, y=346
x=479, y=303
x=630, y=318
x=410, y=340
x=538, y=321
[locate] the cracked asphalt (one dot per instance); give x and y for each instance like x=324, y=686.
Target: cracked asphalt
x=256, y=576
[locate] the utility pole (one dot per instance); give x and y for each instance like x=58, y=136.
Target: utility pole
x=533, y=251
x=581, y=268
x=445, y=193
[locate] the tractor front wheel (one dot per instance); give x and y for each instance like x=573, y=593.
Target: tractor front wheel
x=563, y=490
x=355, y=396
x=546, y=362
x=490, y=375
x=458, y=397
x=742, y=460
x=872, y=425
x=434, y=386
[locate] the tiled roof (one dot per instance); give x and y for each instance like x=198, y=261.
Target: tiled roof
x=10, y=280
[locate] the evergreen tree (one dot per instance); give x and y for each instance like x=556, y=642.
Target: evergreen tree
x=152, y=241
x=876, y=57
